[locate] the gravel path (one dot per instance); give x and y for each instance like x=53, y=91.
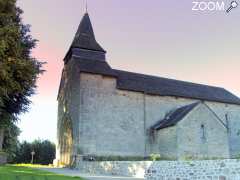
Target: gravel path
x=70, y=172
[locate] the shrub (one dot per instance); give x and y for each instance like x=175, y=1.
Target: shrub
x=155, y=157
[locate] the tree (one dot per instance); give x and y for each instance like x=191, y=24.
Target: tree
x=18, y=69
x=10, y=142
x=44, y=152
x=23, y=153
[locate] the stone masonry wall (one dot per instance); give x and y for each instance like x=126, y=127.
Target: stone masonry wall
x=116, y=122
x=201, y=135
x=115, y=168
x=68, y=114
x=228, y=169
x=193, y=170
x=233, y=121
x=156, y=108
x=166, y=142
x=111, y=121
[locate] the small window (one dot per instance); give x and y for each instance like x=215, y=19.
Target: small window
x=227, y=120
x=203, y=133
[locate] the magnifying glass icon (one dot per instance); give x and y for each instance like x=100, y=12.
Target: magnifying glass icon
x=233, y=5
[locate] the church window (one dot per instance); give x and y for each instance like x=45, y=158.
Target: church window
x=227, y=121
x=238, y=132
x=203, y=133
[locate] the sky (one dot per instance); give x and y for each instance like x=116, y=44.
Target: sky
x=157, y=37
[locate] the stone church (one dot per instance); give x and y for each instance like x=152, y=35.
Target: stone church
x=108, y=112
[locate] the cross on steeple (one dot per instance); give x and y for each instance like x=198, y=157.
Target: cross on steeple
x=86, y=6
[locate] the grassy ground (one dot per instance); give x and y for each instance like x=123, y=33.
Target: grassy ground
x=19, y=172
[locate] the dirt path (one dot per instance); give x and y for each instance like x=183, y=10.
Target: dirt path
x=70, y=172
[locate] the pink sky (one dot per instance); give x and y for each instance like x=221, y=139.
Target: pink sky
x=164, y=38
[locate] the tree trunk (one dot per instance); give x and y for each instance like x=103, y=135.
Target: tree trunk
x=1, y=138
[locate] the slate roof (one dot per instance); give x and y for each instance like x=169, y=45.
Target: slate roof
x=169, y=87
x=157, y=85
x=94, y=66
x=174, y=117
x=85, y=37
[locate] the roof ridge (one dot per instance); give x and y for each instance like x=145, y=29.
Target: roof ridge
x=183, y=81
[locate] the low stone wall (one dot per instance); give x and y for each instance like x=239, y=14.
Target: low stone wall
x=117, y=168
x=228, y=169
x=191, y=170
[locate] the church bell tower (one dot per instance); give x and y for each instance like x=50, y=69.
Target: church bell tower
x=84, y=55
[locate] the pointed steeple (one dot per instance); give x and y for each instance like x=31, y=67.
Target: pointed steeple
x=85, y=38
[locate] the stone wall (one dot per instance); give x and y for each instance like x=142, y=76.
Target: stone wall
x=115, y=168
x=166, y=170
x=112, y=122
x=197, y=136
x=156, y=108
x=202, y=135
x=233, y=121
x=116, y=122
x=166, y=143
x=191, y=170
x=68, y=114
x=106, y=121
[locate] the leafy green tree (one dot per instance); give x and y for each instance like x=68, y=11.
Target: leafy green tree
x=18, y=69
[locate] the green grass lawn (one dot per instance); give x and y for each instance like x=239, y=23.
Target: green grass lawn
x=11, y=172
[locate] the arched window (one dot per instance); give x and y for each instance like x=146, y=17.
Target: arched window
x=227, y=121
x=203, y=133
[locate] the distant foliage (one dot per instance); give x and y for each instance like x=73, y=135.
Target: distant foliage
x=44, y=152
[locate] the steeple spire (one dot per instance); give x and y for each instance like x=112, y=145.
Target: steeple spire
x=85, y=38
